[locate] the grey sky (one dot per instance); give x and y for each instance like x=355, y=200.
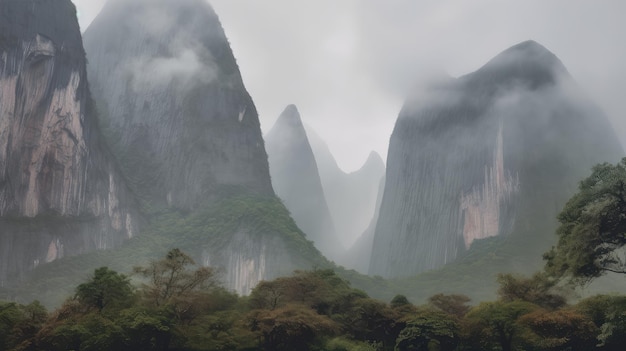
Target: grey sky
x=347, y=64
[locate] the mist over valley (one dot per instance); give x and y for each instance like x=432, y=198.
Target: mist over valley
x=193, y=175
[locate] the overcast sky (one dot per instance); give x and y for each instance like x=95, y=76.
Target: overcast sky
x=347, y=64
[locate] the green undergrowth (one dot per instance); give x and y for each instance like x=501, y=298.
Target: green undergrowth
x=209, y=226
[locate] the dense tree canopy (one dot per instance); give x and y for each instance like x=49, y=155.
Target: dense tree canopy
x=592, y=233
x=181, y=307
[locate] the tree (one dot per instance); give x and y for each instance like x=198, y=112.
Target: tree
x=498, y=322
x=292, y=327
x=430, y=330
x=592, y=232
x=374, y=321
x=560, y=330
x=538, y=289
x=171, y=280
x=106, y=289
x=608, y=313
x=454, y=304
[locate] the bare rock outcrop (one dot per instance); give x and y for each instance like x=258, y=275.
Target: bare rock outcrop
x=60, y=191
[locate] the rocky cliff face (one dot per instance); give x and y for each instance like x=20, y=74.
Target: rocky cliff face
x=351, y=196
x=60, y=192
x=495, y=152
x=188, y=137
x=173, y=102
x=296, y=180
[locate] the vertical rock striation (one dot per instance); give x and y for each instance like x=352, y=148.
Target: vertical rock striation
x=60, y=192
x=187, y=133
x=174, y=103
x=495, y=152
x=297, y=182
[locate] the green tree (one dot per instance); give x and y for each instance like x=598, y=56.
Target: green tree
x=497, y=323
x=593, y=227
x=538, y=289
x=373, y=321
x=430, y=330
x=9, y=317
x=171, y=278
x=454, y=304
x=106, y=289
x=608, y=313
x=560, y=330
x=291, y=327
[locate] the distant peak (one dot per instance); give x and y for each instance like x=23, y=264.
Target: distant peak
x=290, y=117
x=526, y=52
x=374, y=158
x=527, y=61
x=374, y=161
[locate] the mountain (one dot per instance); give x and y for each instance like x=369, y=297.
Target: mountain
x=358, y=256
x=173, y=102
x=495, y=153
x=187, y=135
x=297, y=182
x=61, y=193
x=351, y=196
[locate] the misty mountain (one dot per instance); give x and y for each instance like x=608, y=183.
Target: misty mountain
x=61, y=193
x=351, y=196
x=187, y=135
x=358, y=256
x=495, y=153
x=173, y=102
x=297, y=182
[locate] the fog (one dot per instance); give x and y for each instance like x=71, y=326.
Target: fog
x=348, y=65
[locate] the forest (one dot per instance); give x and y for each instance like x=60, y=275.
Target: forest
x=175, y=304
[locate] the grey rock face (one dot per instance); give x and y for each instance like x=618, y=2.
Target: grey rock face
x=60, y=192
x=173, y=102
x=495, y=152
x=296, y=180
x=351, y=196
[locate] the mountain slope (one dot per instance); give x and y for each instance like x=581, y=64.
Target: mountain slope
x=61, y=193
x=296, y=180
x=494, y=153
x=188, y=138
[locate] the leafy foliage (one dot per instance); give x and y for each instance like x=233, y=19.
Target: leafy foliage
x=538, y=289
x=107, y=289
x=592, y=233
x=430, y=330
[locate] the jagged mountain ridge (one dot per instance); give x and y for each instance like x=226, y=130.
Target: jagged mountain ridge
x=174, y=101
x=495, y=152
x=61, y=192
x=351, y=197
x=297, y=182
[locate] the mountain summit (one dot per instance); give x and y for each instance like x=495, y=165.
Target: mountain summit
x=174, y=103
x=296, y=179
x=493, y=153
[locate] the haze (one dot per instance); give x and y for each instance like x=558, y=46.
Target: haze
x=348, y=64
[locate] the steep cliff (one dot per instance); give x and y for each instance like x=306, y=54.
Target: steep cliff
x=60, y=192
x=173, y=102
x=492, y=153
x=297, y=182
x=351, y=196
x=188, y=138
